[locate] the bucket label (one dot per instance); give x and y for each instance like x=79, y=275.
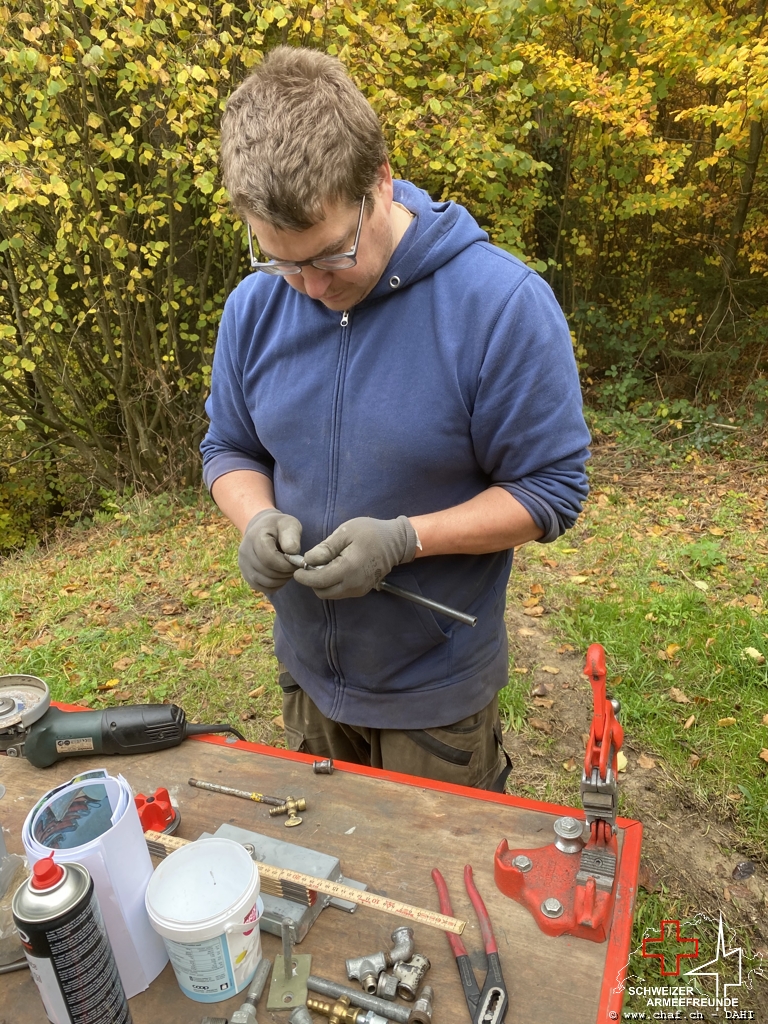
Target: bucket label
x=203, y=969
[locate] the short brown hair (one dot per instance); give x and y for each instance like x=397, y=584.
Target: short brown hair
x=296, y=135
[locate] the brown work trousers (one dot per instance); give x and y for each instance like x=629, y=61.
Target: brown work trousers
x=467, y=753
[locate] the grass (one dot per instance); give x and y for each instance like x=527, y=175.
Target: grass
x=667, y=569
x=670, y=578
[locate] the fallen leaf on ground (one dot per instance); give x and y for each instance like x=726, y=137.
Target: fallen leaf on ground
x=550, y=562
x=529, y=602
x=543, y=702
x=540, y=725
x=122, y=695
x=646, y=762
x=716, y=531
x=123, y=663
x=279, y=722
x=701, y=585
x=657, y=588
x=542, y=690
x=694, y=760
x=689, y=722
x=702, y=700
x=726, y=721
x=69, y=589
x=585, y=738
x=551, y=669
x=83, y=703
x=763, y=754
x=678, y=696
x=765, y=719
x=621, y=761
x=257, y=692
x=735, y=797
x=578, y=579
x=537, y=588
x=534, y=612
x=708, y=644
x=752, y=600
x=245, y=715
x=110, y=684
x=756, y=656
x=234, y=652
x=524, y=631
x=647, y=878
x=672, y=650
x=264, y=606
x=570, y=765
x=565, y=649
x=521, y=671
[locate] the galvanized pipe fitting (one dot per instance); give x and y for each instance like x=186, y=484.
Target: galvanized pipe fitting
x=301, y=1015
x=387, y=986
x=330, y=988
x=366, y=970
x=402, y=948
x=422, y=1008
x=410, y=975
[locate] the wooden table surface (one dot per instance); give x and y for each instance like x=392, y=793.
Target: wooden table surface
x=388, y=831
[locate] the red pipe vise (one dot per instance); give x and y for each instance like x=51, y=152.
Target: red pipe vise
x=569, y=886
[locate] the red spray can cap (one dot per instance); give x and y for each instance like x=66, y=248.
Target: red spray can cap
x=46, y=873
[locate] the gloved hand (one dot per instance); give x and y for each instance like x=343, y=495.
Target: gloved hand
x=357, y=556
x=261, y=559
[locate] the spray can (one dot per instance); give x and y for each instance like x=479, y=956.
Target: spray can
x=62, y=931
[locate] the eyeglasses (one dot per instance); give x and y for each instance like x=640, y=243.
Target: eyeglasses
x=284, y=268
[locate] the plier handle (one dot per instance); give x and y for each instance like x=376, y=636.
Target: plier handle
x=489, y=1004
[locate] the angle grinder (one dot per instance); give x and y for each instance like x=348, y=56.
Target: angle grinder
x=31, y=728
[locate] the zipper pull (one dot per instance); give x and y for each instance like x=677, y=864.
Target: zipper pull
x=345, y=318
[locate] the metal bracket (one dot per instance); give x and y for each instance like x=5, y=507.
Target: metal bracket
x=286, y=993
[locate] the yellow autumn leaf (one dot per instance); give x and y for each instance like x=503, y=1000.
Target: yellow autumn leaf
x=534, y=612
x=763, y=754
x=109, y=685
x=726, y=721
x=678, y=696
x=689, y=722
x=570, y=765
x=757, y=656
x=578, y=579
x=529, y=602
x=716, y=531
x=550, y=669
x=646, y=762
x=621, y=761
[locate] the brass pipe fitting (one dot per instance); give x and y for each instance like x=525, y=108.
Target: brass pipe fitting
x=291, y=806
x=339, y=1012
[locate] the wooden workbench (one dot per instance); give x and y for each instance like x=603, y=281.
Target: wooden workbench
x=387, y=830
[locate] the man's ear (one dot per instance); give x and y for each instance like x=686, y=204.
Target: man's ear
x=384, y=186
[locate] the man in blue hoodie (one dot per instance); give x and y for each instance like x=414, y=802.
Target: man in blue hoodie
x=394, y=397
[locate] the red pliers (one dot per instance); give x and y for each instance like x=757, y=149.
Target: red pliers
x=488, y=1006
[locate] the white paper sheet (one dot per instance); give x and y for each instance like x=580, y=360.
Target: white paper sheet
x=115, y=853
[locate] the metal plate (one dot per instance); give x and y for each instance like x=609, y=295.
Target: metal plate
x=287, y=993
x=23, y=699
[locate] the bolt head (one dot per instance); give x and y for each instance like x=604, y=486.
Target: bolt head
x=568, y=828
x=522, y=863
x=552, y=907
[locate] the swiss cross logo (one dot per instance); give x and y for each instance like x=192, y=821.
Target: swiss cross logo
x=670, y=944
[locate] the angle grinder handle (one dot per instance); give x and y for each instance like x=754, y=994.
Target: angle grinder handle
x=131, y=729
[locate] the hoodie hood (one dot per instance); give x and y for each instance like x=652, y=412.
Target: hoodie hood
x=437, y=233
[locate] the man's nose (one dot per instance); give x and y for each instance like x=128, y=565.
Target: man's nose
x=316, y=281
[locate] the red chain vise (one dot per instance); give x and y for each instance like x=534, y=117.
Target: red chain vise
x=569, y=886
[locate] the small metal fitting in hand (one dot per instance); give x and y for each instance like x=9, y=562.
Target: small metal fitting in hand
x=422, y=1008
x=387, y=987
x=324, y=767
x=410, y=975
x=366, y=970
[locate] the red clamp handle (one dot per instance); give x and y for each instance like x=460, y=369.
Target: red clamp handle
x=606, y=734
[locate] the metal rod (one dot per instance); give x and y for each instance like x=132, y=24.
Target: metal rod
x=329, y=988
x=259, y=981
x=427, y=602
x=259, y=798
x=285, y=931
x=409, y=595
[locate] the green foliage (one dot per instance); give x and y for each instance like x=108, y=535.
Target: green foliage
x=705, y=553
x=617, y=148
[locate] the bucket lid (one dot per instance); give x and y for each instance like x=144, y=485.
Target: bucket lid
x=201, y=885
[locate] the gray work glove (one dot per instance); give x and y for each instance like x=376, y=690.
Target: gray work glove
x=357, y=556
x=261, y=559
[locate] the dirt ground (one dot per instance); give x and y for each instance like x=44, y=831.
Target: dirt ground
x=688, y=847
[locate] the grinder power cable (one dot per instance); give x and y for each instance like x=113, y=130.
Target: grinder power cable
x=31, y=728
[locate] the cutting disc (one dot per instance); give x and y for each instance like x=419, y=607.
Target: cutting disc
x=23, y=699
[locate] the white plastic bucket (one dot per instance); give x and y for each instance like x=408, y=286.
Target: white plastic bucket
x=204, y=901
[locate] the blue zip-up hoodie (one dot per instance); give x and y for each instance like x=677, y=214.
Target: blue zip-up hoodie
x=455, y=373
